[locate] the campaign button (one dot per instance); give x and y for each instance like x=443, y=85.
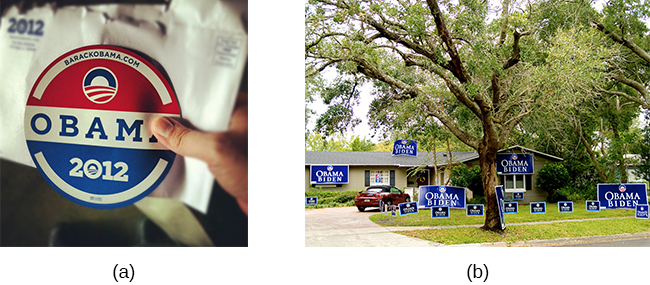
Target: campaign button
x=87, y=126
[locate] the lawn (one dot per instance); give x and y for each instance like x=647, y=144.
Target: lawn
x=517, y=233
x=458, y=216
x=514, y=233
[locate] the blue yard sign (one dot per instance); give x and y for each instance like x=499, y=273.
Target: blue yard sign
x=593, y=206
x=538, y=208
x=641, y=211
x=408, y=208
x=329, y=174
x=517, y=195
x=616, y=196
x=565, y=207
x=511, y=208
x=474, y=209
x=405, y=147
x=514, y=163
x=500, y=202
x=435, y=196
x=440, y=212
x=311, y=200
x=393, y=211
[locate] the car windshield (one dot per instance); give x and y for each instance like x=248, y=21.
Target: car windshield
x=374, y=189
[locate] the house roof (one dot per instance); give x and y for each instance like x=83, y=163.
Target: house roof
x=520, y=148
x=382, y=158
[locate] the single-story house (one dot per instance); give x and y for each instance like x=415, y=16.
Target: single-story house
x=358, y=170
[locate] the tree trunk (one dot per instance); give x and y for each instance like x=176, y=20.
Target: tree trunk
x=435, y=165
x=450, y=164
x=487, y=160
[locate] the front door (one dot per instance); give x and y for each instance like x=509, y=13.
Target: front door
x=423, y=177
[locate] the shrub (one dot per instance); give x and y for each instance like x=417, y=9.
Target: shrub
x=469, y=178
x=328, y=199
x=477, y=200
x=570, y=194
x=551, y=178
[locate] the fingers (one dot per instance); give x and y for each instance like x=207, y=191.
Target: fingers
x=182, y=140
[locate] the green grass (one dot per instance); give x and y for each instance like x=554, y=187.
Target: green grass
x=458, y=216
x=517, y=233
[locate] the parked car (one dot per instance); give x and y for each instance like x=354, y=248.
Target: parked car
x=372, y=196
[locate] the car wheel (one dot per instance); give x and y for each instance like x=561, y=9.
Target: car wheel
x=361, y=209
x=389, y=203
x=408, y=199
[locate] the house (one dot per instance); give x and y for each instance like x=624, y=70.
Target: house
x=518, y=167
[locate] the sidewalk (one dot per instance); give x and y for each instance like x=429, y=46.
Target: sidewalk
x=533, y=243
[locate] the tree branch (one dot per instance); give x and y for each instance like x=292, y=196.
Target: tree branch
x=432, y=108
x=504, y=24
x=645, y=105
x=322, y=37
x=454, y=128
x=514, y=59
x=384, y=32
x=631, y=45
x=318, y=70
x=456, y=64
x=645, y=94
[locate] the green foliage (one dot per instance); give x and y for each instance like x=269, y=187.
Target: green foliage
x=625, y=16
x=468, y=178
x=572, y=194
x=341, y=95
x=328, y=199
x=583, y=176
x=337, y=142
x=476, y=200
x=552, y=177
x=643, y=168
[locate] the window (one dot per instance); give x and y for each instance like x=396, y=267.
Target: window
x=516, y=183
x=379, y=177
x=395, y=190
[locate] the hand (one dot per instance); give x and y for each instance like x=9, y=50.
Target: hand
x=226, y=153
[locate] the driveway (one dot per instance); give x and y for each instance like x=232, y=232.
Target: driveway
x=346, y=226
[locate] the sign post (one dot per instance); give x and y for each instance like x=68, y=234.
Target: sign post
x=435, y=196
x=439, y=212
x=593, y=206
x=500, y=201
x=408, y=208
x=515, y=163
x=405, y=147
x=565, y=207
x=617, y=196
x=474, y=210
x=538, y=208
x=511, y=208
x=641, y=211
x=311, y=200
x=329, y=174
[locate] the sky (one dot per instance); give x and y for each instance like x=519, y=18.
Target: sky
x=363, y=130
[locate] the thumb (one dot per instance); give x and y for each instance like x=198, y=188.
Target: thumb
x=182, y=140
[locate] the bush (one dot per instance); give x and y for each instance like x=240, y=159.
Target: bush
x=583, y=177
x=551, y=178
x=469, y=178
x=477, y=200
x=570, y=194
x=328, y=199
